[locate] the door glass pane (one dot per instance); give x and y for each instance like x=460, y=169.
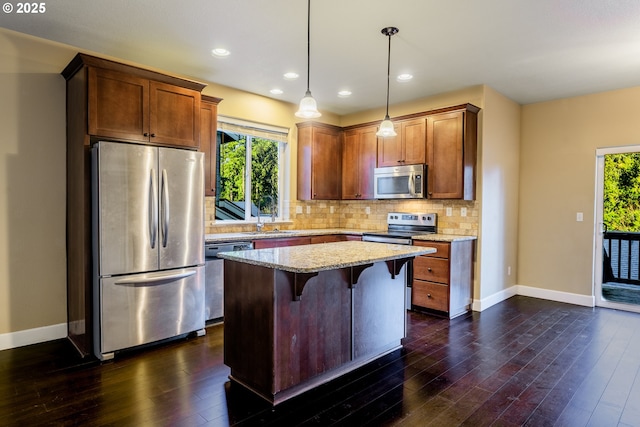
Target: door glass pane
x=621, y=218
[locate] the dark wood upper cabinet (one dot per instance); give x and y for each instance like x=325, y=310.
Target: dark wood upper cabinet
x=118, y=105
x=444, y=139
x=358, y=162
x=319, y=161
x=208, y=141
x=129, y=107
x=407, y=148
x=451, y=153
x=128, y=103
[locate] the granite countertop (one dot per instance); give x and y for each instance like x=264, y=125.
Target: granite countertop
x=325, y=256
x=250, y=235
x=437, y=237
x=276, y=234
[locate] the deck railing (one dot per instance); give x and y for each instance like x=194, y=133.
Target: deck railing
x=621, y=257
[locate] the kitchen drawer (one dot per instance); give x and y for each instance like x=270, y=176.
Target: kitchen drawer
x=430, y=295
x=431, y=269
x=442, y=248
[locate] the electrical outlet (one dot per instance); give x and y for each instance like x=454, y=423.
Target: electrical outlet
x=463, y=211
x=298, y=209
x=509, y=271
x=308, y=209
x=449, y=212
x=367, y=210
x=332, y=209
x=579, y=217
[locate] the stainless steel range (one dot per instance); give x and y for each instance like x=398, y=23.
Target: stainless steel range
x=401, y=226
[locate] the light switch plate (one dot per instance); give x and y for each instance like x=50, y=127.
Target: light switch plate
x=367, y=210
x=308, y=209
x=579, y=217
x=463, y=211
x=449, y=212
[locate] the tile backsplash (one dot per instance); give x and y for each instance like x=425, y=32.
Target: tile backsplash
x=359, y=215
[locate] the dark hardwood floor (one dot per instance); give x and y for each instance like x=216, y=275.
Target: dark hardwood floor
x=524, y=361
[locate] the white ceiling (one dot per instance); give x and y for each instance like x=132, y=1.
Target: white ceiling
x=529, y=50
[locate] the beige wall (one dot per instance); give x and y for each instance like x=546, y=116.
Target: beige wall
x=32, y=186
x=557, y=180
x=499, y=161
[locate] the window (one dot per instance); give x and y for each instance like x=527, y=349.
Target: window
x=250, y=164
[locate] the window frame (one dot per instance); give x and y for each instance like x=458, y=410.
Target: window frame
x=256, y=130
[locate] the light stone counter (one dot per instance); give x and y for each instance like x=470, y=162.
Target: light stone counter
x=254, y=235
x=437, y=237
x=250, y=235
x=325, y=256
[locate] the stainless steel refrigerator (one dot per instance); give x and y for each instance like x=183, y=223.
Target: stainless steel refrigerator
x=148, y=233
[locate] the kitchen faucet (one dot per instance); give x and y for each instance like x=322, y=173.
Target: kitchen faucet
x=260, y=224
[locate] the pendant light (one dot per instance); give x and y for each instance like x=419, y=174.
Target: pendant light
x=386, y=127
x=308, y=107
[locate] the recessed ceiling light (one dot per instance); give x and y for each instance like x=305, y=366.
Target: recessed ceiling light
x=404, y=77
x=344, y=93
x=220, y=52
x=276, y=91
x=291, y=76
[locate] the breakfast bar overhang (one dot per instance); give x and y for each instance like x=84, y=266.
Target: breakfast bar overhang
x=297, y=317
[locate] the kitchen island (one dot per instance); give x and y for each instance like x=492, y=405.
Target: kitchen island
x=298, y=317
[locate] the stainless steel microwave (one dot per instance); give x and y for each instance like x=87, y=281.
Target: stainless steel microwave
x=400, y=182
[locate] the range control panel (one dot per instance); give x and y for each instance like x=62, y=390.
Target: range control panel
x=405, y=218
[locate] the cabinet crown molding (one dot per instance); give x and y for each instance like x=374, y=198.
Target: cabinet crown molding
x=83, y=60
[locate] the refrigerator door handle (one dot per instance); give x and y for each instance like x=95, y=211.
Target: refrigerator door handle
x=165, y=208
x=159, y=278
x=153, y=209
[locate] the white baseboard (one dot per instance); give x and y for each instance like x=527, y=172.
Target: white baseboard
x=559, y=296
x=529, y=291
x=483, y=304
x=32, y=336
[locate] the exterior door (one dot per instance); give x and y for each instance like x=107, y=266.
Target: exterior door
x=600, y=229
x=181, y=201
x=126, y=183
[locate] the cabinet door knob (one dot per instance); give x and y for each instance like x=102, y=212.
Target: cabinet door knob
x=153, y=135
x=428, y=295
x=429, y=269
x=145, y=134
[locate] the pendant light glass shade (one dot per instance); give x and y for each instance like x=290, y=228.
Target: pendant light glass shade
x=308, y=108
x=386, y=127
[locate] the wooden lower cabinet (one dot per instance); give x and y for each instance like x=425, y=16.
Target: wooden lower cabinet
x=328, y=238
x=443, y=281
x=303, y=240
x=281, y=242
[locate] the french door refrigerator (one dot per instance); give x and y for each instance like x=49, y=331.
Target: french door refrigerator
x=148, y=233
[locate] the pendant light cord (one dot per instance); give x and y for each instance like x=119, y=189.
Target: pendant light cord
x=388, y=73
x=308, y=44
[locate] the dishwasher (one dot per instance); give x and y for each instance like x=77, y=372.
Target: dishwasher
x=214, y=277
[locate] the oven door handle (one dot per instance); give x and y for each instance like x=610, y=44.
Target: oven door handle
x=394, y=240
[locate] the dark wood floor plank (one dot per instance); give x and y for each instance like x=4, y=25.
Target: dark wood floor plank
x=524, y=361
